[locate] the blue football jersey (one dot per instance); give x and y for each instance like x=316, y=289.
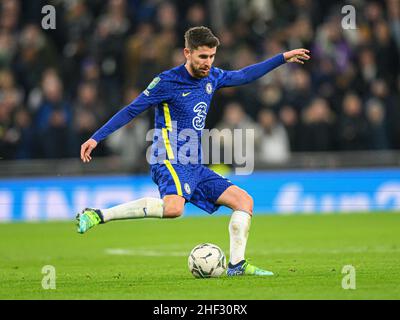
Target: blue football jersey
x=182, y=103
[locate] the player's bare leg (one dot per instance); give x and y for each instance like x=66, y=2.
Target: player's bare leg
x=170, y=206
x=173, y=206
x=242, y=205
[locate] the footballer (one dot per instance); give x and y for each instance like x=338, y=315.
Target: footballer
x=182, y=97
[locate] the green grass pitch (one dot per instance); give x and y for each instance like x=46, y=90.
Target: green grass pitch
x=147, y=259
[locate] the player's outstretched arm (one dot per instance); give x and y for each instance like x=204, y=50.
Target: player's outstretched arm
x=86, y=150
x=156, y=92
x=120, y=119
x=256, y=71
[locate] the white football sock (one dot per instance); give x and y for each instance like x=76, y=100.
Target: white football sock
x=239, y=226
x=141, y=208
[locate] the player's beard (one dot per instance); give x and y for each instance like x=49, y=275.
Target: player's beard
x=198, y=72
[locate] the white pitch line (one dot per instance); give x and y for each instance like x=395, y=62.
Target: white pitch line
x=165, y=252
x=145, y=253
x=327, y=251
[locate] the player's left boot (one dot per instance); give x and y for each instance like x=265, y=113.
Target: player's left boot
x=245, y=268
x=87, y=219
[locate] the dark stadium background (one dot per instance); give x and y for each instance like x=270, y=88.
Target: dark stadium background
x=58, y=86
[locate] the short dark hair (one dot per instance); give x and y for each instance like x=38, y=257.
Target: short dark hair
x=200, y=36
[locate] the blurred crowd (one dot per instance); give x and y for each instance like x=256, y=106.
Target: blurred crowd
x=57, y=87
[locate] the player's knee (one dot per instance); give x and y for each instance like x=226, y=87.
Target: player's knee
x=246, y=202
x=172, y=211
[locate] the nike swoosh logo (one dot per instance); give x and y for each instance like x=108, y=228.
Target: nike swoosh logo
x=185, y=94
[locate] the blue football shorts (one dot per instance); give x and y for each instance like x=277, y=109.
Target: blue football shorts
x=194, y=182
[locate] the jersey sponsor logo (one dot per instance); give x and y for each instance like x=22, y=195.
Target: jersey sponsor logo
x=187, y=188
x=153, y=83
x=200, y=120
x=185, y=94
x=209, y=88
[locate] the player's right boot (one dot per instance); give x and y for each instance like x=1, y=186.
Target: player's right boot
x=245, y=268
x=88, y=218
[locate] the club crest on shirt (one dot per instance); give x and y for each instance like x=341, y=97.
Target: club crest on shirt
x=209, y=88
x=187, y=188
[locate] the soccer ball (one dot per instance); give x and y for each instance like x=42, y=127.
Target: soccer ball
x=206, y=260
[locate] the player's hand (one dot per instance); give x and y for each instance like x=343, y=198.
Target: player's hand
x=86, y=150
x=297, y=55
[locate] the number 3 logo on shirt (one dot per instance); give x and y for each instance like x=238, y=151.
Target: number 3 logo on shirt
x=200, y=120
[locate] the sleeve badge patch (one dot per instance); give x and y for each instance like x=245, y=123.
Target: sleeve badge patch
x=153, y=83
